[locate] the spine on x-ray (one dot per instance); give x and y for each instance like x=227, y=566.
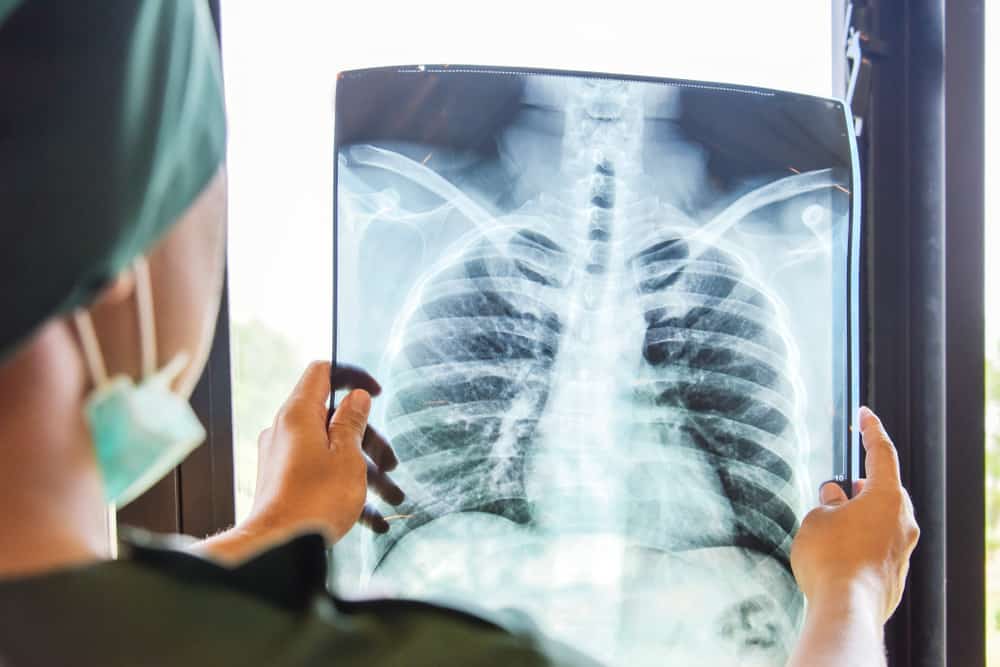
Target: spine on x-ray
x=477, y=366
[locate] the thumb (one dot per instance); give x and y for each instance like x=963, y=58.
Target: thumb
x=832, y=495
x=351, y=417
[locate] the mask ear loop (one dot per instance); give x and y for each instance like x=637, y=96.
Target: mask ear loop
x=147, y=329
x=91, y=349
x=147, y=326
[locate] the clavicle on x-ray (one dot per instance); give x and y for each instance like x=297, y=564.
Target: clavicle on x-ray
x=614, y=323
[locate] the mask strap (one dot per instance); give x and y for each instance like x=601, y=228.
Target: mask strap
x=147, y=327
x=91, y=349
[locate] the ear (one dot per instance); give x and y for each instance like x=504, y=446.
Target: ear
x=119, y=289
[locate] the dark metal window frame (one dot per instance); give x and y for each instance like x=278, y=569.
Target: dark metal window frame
x=922, y=155
x=198, y=498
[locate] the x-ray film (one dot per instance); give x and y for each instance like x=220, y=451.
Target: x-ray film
x=615, y=323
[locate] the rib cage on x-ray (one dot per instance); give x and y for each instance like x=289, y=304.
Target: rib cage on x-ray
x=598, y=362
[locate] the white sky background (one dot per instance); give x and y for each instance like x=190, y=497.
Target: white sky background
x=281, y=61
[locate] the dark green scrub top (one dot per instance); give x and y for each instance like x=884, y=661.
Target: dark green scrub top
x=158, y=606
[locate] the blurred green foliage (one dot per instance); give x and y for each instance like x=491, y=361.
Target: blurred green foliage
x=992, y=455
x=265, y=368
x=993, y=507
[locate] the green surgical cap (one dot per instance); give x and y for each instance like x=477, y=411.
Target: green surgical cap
x=111, y=124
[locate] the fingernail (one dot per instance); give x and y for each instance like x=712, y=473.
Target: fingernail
x=866, y=417
x=829, y=493
x=359, y=400
x=396, y=496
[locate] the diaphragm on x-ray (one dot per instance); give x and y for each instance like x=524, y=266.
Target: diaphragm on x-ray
x=612, y=318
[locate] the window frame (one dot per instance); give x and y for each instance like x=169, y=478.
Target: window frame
x=922, y=154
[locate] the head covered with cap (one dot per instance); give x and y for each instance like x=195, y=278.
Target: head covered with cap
x=111, y=125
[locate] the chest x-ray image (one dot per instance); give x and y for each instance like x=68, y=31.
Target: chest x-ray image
x=614, y=320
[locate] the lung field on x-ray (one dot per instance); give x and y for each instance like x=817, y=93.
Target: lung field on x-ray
x=594, y=393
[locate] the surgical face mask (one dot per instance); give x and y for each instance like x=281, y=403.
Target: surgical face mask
x=140, y=431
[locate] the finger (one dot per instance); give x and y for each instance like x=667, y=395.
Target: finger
x=383, y=486
x=881, y=460
x=859, y=486
x=344, y=376
x=831, y=494
x=379, y=450
x=310, y=392
x=313, y=385
x=350, y=418
x=373, y=519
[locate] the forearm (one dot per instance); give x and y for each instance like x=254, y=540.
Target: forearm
x=841, y=628
x=245, y=540
x=229, y=546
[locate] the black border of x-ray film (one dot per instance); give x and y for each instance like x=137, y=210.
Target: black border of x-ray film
x=846, y=455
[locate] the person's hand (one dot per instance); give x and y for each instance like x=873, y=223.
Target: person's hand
x=311, y=476
x=309, y=473
x=862, y=544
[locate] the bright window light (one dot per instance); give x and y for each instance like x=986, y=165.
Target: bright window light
x=281, y=62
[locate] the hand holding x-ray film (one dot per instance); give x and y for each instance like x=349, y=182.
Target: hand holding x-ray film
x=614, y=323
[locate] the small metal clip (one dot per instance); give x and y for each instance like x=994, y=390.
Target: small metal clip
x=860, y=47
